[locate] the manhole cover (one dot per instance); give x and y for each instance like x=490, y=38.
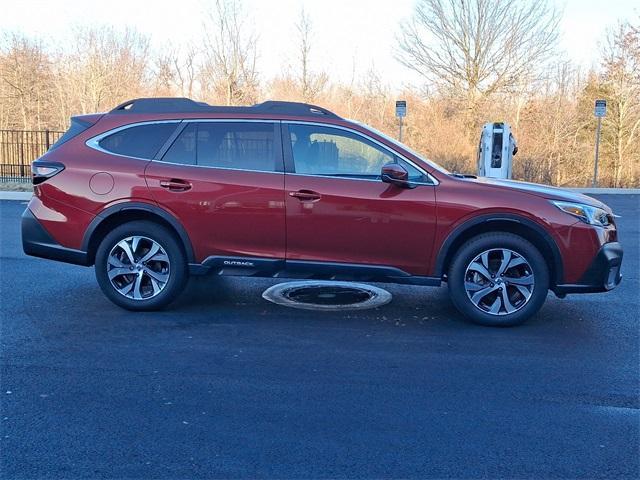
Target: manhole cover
x=327, y=295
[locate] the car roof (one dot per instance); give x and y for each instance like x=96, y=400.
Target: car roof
x=188, y=106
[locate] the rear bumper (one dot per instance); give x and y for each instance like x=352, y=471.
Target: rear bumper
x=602, y=275
x=37, y=242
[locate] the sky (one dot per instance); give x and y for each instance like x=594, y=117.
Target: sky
x=348, y=35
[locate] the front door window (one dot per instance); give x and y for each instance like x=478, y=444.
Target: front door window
x=327, y=151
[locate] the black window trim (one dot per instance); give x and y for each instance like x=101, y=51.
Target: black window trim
x=94, y=142
x=290, y=167
x=277, y=144
x=172, y=138
x=76, y=121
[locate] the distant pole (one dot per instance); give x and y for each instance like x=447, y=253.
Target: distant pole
x=595, y=165
x=401, y=112
x=599, y=111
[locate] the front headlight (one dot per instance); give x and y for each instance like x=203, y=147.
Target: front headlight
x=586, y=213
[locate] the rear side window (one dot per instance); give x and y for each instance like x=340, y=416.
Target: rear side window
x=237, y=145
x=142, y=141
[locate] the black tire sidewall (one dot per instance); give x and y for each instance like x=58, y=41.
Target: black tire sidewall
x=488, y=241
x=167, y=240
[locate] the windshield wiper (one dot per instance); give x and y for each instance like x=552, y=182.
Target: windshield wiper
x=463, y=175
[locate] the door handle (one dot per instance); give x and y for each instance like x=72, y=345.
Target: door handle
x=306, y=195
x=175, y=185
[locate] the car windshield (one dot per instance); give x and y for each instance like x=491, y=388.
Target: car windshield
x=402, y=145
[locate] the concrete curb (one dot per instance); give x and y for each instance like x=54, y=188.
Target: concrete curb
x=24, y=196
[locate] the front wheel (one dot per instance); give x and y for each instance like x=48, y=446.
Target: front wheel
x=140, y=266
x=498, y=279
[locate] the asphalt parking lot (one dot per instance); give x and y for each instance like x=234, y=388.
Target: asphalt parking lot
x=225, y=384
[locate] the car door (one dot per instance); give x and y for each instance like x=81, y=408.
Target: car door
x=224, y=181
x=339, y=210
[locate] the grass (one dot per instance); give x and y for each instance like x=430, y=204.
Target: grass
x=16, y=187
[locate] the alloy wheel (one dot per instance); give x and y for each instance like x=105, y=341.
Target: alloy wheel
x=499, y=281
x=138, y=267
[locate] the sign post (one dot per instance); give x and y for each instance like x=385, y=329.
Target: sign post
x=599, y=111
x=401, y=112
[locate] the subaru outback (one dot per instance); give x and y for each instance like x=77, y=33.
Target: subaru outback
x=158, y=189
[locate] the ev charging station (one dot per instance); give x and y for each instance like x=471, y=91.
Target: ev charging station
x=496, y=150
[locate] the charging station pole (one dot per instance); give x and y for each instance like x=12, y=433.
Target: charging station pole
x=599, y=111
x=401, y=112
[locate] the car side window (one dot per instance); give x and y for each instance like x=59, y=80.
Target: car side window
x=183, y=149
x=237, y=145
x=326, y=151
x=415, y=175
x=142, y=141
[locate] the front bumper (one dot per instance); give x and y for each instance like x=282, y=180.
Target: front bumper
x=602, y=275
x=37, y=242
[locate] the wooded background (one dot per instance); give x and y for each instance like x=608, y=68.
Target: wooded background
x=479, y=60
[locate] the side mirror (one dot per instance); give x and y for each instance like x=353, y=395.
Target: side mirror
x=395, y=174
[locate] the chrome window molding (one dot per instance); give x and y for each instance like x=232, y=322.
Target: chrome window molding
x=433, y=181
x=219, y=168
x=343, y=177
x=94, y=142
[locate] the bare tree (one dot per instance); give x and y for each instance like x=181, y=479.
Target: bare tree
x=229, y=70
x=25, y=83
x=477, y=47
x=311, y=84
x=175, y=72
x=621, y=79
x=185, y=67
x=106, y=66
x=164, y=74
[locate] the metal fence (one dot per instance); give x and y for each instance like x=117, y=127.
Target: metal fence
x=18, y=148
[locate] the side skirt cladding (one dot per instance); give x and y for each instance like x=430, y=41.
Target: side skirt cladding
x=297, y=269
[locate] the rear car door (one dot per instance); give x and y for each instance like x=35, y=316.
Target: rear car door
x=339, y=210
x=224, y=181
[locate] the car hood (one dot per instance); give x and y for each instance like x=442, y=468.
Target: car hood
x=545, y=191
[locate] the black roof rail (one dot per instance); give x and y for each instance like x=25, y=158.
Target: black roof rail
x=186, y=105
x=292, y=108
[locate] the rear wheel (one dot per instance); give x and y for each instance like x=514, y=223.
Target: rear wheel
x=140, y=266
x=498, y=279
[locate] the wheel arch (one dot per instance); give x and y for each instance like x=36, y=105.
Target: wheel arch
x=515, y=224
x=127, y=212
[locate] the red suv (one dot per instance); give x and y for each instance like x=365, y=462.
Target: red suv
x=158, y=189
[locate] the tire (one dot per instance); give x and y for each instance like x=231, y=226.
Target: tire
x=517, y=289
x=141, y=266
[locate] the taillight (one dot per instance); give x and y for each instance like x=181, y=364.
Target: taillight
x=42, y=171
